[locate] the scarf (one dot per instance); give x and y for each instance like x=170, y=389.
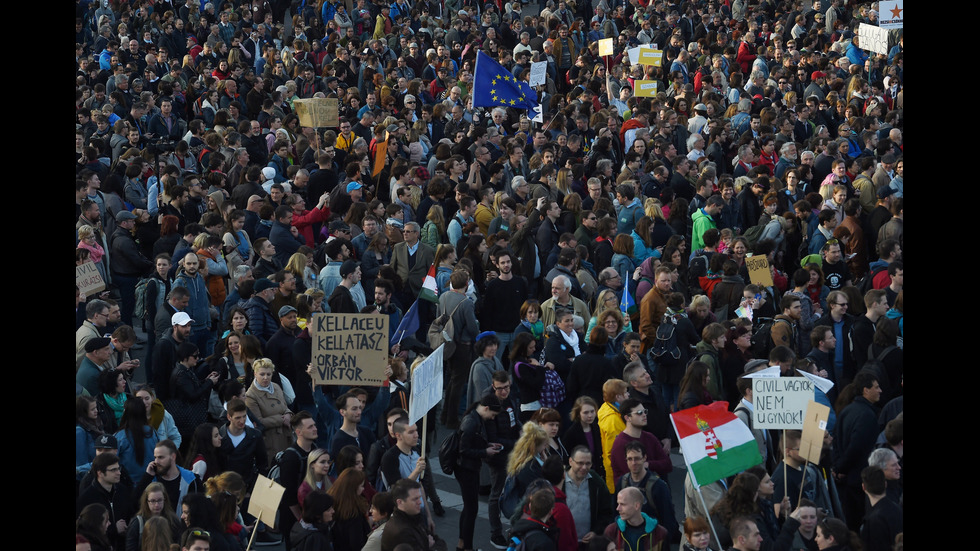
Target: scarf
x=536, y=328
x=572, y=341
x=270, y=389
x=116, y=404
x=242, y=244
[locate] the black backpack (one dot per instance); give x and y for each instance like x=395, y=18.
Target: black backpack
x=449, y=452
x=275, y=473
x=867, y=282
x=697, y=268
x=762, y=337
x=665, y=350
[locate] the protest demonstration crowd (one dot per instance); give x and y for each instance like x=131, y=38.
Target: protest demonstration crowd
x=624, y=230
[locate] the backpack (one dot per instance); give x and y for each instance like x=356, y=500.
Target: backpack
x=449, y=452
x=876, y=365
x=140, y=310
x=753, y=234
x=665, y=350
x=442, y=331
x=510, y=498
x=515, y=544
x=762, y=337
x=697, y=268
x=867, y=283
x=275, y=473
x=553, y=390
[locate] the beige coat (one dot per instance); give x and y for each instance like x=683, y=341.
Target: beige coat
x=269, y=408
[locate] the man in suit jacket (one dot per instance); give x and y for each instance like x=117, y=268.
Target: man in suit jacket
x=411, y=260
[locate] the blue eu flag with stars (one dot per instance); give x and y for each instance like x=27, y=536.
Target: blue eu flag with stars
x=494, y=85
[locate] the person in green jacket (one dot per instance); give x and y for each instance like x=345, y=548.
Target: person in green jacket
x=704, y=220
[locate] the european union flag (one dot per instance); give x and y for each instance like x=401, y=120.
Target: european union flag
x=627, y=305
x=494, y=85
x=409, y=324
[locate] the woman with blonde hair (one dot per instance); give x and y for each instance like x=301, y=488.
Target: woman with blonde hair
x=266, y=399
x=434, y=230
x=297, y=266
x=525, y=461
x=317, y=477
x=350, y=528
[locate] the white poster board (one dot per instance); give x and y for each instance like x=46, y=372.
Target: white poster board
x=539, y=73
x=780, y=403
x=874, y=39
x=426, y=386
x=891, y=14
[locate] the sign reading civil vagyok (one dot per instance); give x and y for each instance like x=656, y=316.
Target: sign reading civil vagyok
x=780, y=403
x=349, y=349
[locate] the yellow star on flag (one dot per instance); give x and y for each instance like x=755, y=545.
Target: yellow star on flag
x=512, y=102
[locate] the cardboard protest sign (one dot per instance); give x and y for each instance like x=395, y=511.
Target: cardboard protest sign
x=759, y=274
x=634, y=53
x=891, y=14
x=349, y=349
x=317, y=112
x=814, y=427
x=780, y=403
x=265, y=500
x=606, y=46
x=645, y=88
x=873, y=39
x=539, y=73
x=88, y=279
x=649, y=56
x=426, y=386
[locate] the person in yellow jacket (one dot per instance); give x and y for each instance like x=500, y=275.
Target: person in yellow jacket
x=611, y=423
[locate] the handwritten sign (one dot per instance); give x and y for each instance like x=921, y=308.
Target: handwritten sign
x=759, y=274
x=426, y=386
x=873, y=39
x=649, y=56
x=645, y=88
x=891, y=14
x=606, y=46
x=349, y=349
x=814, y=427
x=539, y=73
x=265, y=500
x=88, y=279
x=780, y=403
x=317, y=112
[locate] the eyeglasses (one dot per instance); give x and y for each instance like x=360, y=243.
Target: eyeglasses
x=502, y=387
x=640, y=412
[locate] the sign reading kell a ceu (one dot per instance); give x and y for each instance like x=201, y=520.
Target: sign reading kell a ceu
x=349, y=349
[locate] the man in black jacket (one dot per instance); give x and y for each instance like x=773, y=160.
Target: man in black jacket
x=854, y=440
x=107, y=492
x=505, y=429
x=128, y=263
x=408, y=524
x=242, y=447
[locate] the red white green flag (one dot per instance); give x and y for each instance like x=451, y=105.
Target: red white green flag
x=715, y=443
x=430, y=291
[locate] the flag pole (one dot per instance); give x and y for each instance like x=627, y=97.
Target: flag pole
x=707, y=515
x=802, y=482
x=786, y=486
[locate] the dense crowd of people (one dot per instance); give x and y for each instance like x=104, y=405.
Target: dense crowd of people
x=615, y=259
